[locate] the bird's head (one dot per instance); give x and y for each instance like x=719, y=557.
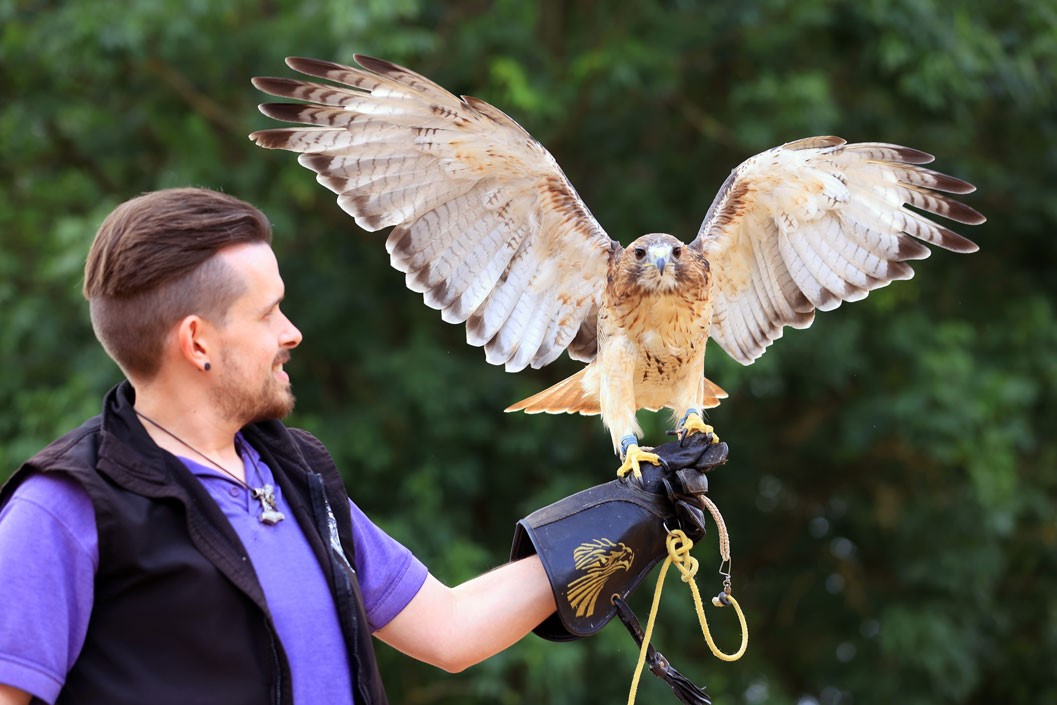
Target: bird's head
x=659, y=263
x=622, y=558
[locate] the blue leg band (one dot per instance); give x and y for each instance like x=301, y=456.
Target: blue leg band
x=628, y=440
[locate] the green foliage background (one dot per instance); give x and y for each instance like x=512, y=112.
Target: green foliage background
x=891, y=494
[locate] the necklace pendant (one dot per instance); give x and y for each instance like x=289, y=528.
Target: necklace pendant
x=270, y=517
x=270, y=513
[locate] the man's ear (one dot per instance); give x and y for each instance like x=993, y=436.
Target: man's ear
x=194, y=338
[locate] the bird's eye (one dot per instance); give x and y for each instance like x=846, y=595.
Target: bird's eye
x=677, y=252
x=640, y=253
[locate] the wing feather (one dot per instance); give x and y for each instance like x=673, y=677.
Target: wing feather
x=502, y=349
x=817, y=222
x=485, y=224
x=444, y=254
x=538, y=318
x=786, y=299
x=498, y=326
x=503, y=242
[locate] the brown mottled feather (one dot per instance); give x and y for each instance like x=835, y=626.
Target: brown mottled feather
x=817, y=222
x=486, y=226
x=489, y=230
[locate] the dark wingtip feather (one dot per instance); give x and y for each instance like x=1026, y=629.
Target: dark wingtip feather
x=801, y=304
x=910, y=155
x=263, y=138
x=314, y=67
x=910, y=249
x=316, y=162
x=970, y=216
x=274, y=138
x=956, y=243
x=377, y=65
x=827, y=300
x=949, y=184
x=286, y=112
x=899, y=271
x=961, y=213
x=279, y=87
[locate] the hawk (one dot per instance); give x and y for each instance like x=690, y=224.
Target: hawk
x=489, y=230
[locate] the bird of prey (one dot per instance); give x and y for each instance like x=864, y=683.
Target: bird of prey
x=489, y=229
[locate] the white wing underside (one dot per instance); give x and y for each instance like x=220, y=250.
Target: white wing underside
x=485, y=224
x=814, y=223
x=490, y=231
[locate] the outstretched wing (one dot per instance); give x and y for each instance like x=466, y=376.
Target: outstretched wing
x=814, y=223
x=487, y=227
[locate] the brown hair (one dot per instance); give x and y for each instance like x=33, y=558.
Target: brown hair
x=152, y=263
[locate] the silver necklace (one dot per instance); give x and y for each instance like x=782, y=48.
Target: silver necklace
x=270, y=513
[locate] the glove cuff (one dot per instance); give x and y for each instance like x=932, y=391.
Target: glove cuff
x=593, y=545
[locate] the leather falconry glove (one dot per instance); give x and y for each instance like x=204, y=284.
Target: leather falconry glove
x=598, y=545
x=605, y=540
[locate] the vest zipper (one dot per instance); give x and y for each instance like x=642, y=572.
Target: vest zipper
x=277, y=695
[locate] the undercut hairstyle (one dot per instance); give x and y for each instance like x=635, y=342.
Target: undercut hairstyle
x=153, y=262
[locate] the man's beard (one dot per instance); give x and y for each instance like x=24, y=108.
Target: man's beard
x=268, y=401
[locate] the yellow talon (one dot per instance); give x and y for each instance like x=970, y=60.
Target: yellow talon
x=632, y=457
x=693, y=423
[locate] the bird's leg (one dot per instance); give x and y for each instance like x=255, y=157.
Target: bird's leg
x=693, y=422
x=633, y=455
x=617, y=401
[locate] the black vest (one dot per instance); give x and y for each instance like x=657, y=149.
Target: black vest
x=179, y=616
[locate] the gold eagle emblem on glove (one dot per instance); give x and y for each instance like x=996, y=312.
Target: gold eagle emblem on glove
x=598, y=560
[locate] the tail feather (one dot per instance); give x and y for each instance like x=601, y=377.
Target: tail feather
x=566, y=397
x=573, y=396
x=711, y=393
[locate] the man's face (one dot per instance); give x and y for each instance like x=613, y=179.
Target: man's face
x=256, y=339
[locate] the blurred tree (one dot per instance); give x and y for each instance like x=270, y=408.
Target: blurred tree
x=892, y=493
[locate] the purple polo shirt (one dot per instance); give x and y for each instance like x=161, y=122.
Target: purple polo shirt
x=49, y=555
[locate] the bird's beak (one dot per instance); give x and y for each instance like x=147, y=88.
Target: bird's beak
x=659, y=256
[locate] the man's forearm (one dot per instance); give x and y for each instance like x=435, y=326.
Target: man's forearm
x=454, y=628
x=9, y=695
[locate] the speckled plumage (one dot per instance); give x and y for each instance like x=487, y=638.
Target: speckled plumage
x=488, y=228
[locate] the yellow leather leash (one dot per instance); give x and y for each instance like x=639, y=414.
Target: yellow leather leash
x=679, y=545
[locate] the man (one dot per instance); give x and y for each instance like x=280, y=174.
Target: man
x=186, y=546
